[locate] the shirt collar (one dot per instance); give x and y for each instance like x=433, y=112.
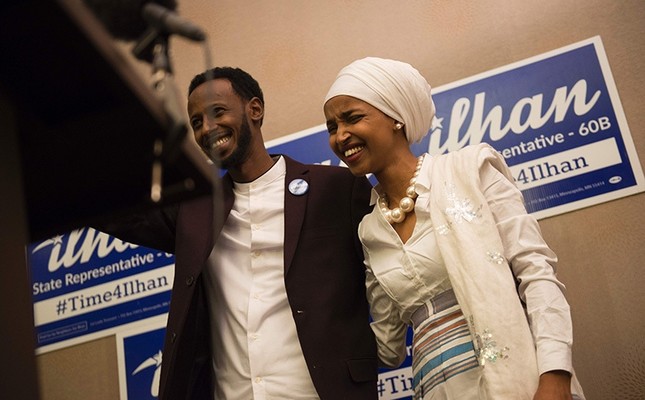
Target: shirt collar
x=277, y=171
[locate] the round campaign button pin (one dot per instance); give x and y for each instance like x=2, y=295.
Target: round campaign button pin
x=298, y=187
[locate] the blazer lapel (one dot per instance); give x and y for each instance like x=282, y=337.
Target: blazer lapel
x=295, y=206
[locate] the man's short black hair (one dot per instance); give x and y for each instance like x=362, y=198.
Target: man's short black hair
x=242, y=82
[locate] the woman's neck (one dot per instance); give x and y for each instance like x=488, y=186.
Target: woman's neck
x=395, y=179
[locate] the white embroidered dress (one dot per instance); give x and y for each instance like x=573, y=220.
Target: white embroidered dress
x=471, y=224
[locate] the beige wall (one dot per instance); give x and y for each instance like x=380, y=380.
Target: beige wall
x=295, y=47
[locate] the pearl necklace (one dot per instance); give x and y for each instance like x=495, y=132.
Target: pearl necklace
x=406, y=204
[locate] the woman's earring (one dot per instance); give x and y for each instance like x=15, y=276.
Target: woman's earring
x=398, y=125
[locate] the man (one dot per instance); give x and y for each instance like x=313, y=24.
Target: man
x=268, y=300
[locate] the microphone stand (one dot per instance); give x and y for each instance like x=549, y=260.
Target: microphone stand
x=153, y=48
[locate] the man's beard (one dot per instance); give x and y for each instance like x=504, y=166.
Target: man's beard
x=242, y=149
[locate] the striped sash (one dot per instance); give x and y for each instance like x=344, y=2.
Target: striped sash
x=442, y=346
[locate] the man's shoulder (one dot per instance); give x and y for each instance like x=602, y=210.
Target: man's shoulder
x=318, y=168
x=330, y=169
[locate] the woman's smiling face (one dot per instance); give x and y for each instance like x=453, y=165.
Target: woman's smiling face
x=359, y=134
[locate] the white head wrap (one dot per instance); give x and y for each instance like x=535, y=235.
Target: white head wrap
x=394, y=87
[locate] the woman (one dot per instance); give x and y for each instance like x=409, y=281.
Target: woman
x=448, y=248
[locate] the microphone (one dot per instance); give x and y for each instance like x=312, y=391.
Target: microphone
x=167, y=21
x=122, y=18
x=131, y=20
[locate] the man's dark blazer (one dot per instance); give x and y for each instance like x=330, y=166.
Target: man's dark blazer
x=324, y=278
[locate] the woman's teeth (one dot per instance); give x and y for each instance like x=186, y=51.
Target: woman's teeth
x=353, y=150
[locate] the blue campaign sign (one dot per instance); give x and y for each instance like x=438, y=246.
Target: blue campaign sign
x=556, y=118
x=86, y=283
x=140, y=354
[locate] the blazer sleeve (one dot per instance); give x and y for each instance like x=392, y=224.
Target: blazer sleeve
x=155, y=229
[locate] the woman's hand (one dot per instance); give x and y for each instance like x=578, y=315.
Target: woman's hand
x=554, y=385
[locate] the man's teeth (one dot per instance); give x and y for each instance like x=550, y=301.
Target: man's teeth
x=353, y=150
x=220, y=142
